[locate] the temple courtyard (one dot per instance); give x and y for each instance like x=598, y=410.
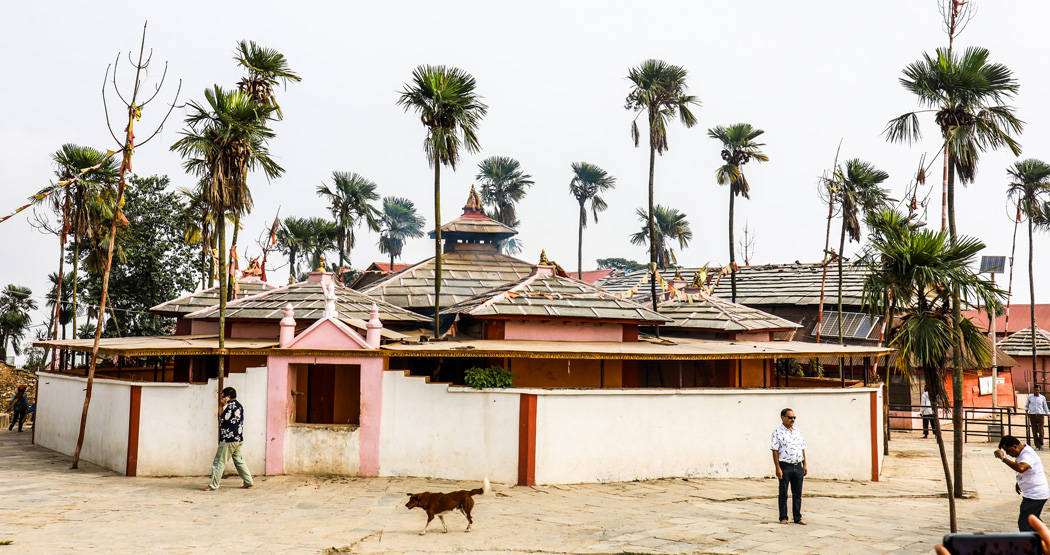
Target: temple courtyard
x=47, y=508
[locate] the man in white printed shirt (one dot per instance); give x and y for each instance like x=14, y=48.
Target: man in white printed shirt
x=1031, y=481
x=1037, y=409
x=789, y=459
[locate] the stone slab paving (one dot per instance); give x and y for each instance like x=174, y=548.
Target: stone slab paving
x=47, y=508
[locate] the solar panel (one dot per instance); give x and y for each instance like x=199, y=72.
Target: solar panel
x=993, y=264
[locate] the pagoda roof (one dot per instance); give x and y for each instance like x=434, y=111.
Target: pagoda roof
x=307, y=299
x=699, y=312
x=550, y=296
x=209, y=298
x=1020, y=343
x=473, y=224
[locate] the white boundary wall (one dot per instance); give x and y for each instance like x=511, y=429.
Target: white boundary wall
x=607, y=436
x=434, y=431
x=322, y=450
x=60, y=404
x=177, y=422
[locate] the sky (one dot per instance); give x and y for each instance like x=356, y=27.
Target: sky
x=812, y=74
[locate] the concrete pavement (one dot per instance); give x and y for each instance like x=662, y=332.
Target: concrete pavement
x=47, y=508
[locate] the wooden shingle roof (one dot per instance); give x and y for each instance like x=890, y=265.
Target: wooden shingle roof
x=209, y=297
x=1020, y=343
x=307, y=299
x=464, y=274
x=715, y=314
x=557, y=297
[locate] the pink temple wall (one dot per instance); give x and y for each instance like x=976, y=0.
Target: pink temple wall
x=562, y=331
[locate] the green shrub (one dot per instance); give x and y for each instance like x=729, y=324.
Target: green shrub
x=493, y=376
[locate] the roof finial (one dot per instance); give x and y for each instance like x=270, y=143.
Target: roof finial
x=678, y=274
x=473, y=202
x=320, y=267
x=543, y=258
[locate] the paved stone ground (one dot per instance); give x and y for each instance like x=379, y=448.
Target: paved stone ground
x=47, y=508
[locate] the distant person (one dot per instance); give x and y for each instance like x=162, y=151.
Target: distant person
x=1037, y=409
x=789, y=459
x=926, y=410
x=20, y=406
x=1031, y=482
x=231, y=436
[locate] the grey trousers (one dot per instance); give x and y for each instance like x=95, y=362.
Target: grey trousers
x=226, y=451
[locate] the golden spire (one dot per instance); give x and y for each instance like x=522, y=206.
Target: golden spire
x=543, y=259
x=320, y=267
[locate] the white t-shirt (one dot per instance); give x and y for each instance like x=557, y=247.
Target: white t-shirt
x=788, y=443
x=1032, y=481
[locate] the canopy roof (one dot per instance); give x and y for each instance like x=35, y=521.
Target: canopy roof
x=551, y=296
x=464, y=274
x=666, y=349
x=1020, y=343
x=307, y=299
x=698, y=312
x=474, y=225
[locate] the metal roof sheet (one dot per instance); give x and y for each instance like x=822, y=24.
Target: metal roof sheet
x=1020, y=343
x=210, y=297
x=712, y=313
x=464, y=275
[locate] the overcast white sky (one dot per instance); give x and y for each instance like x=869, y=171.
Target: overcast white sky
x=809, y=73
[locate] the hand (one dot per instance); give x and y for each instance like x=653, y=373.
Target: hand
x=1017, y=488
x=999, y=453
x=805, y=470
x=780, y=473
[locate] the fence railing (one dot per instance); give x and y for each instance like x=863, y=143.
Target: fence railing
x=987, y=423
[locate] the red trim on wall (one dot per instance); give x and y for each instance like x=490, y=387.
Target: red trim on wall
x=133, y=430
x=527, y=440
x=874, y=436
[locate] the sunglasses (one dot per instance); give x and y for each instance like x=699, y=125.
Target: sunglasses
x=790, y=417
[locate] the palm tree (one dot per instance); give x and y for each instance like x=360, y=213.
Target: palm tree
x=199, y=227
x=15, y=304
x=967, y=94
x=738, y=148
x=671, y=225
x=450, y=111
x=922, y=271
x=350, y=200
x=64, y=307
x=659, y=90
x=1030, y=183
x=858, y=191
x=399, y=222
x=224, y=141
x=266, y=68
x=503, y=185
x=302, y=238
x=588, y=183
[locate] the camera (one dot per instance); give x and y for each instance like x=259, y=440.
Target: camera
x=1005, y=543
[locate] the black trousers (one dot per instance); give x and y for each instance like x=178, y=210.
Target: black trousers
x=1029, y=507
x=1037, y=429
x=17, y=417
x=792, y=476
x=927, y=423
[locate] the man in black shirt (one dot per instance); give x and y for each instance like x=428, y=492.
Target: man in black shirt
x=231, y=435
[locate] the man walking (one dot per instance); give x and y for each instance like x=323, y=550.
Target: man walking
x=1036, y=407
x=231, y=435
x=1031, y=482
x=927, y=413
x=789, y=459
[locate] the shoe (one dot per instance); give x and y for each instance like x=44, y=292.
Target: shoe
x=925, y=437
x=248, y=486
x=206, y=488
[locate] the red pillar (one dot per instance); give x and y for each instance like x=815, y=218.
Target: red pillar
x=527, y=440
x=133, y=431
x=874, y=436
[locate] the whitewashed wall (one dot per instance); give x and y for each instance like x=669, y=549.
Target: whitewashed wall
x=60, y=404
x=627, y=435
x=178, y=426
x=177, y=423
x=434, y=431
x=320, y=449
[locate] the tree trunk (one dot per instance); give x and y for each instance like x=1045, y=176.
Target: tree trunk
x=842, y=248
x=213, y=247
x=233, y=246
x=653, y=260
x=1031, y=290
x=579, y=243
x=223, y=279
x=76, y=282
x=824, y=257
x=61, y=271
x=732, y=253
x=957, y=355
x=437, y=247
x=947, y=473
x=1010, y=284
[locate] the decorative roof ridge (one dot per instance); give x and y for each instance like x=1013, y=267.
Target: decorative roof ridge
x=240, y=300
x=505, y=293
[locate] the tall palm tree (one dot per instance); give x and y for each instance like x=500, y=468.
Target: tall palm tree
x=859, y=194
x=922, y=271
x=399, y=222
x=968, y=95
x=1029, y=185
x=301, y=238
x=738, y=148
x=15, y=304
x=223, y=142
x=658, y=89
x=199, y=228
x=587, y=185
x=503, y=185
x=266, y=68
x=350, y=201
x=450, y=111
x=671, y=225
